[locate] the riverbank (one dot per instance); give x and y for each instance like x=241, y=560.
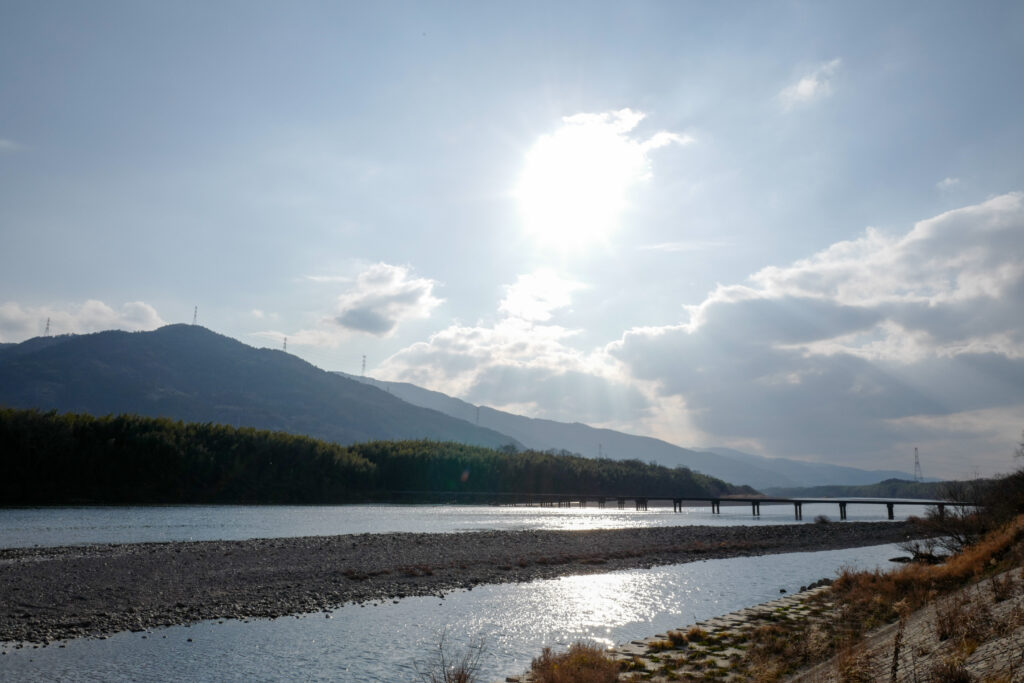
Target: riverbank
x=960, y=620
x=49, y=594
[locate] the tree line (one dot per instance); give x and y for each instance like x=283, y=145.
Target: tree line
x=49, y=458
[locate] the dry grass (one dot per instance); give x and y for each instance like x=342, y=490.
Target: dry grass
x=583, y=663
x=867, y=600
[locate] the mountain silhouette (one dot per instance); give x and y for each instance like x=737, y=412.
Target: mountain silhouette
x=187, y=372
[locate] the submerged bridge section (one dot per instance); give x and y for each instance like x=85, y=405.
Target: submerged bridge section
x=643, y=502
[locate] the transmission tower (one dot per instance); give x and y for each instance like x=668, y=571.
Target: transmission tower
x=917, y=467
x=363, y=373
x=47, y=332
x=195, y=315
x=286, y=344
x=478, y=416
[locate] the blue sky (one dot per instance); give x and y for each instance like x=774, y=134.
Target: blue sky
x=791, y=228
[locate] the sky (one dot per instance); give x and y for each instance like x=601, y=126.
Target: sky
x=791, y=228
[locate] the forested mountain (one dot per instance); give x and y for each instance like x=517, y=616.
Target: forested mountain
x=730, y=465
x=52, y=458
x=187, y=372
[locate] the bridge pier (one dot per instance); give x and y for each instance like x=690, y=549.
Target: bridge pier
x=677, y=505
x=716, y=507
x=641, y=504
x=622, y=503
x=755, y=508
x=889, y=507
x=942, y=511
x=842, y=511
x=798, y=511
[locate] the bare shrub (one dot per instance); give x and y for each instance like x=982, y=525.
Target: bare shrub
x=583, y=663
x=448, y=667
x=853, y=665
x=1002, y=587
x=951, y=671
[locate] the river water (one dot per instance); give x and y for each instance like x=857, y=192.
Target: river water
x=391, y=641
x=26, y=527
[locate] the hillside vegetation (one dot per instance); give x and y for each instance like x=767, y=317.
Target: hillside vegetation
x=186, y=372
x=50, y=458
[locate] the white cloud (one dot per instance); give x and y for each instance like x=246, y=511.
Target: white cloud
x=815, y=85
x=383, y=296
x=537, y=295
x=18, y=323
x=522, y=362
x=8, y=146
x=684, y=246
x=376, y=302
x=947, y=183
x=843, y=356
x=575, y=182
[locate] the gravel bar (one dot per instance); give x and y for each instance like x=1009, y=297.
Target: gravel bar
x=49, y=594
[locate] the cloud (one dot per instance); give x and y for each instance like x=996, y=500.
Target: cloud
x=537, y=295
x=576, y=181
x=684, y=246
x=9, y=146
x=813, y=86
x=383, y=296
x=947, y=183
x=18, y=323
x=847, y=355
x=523, y=362
x=376, y=302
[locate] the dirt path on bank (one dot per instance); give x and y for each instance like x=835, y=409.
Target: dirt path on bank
x=49, y=594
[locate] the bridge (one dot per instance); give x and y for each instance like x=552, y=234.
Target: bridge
x=641, y=503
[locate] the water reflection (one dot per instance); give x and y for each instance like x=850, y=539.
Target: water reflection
x=76, y=525
x=386, y=642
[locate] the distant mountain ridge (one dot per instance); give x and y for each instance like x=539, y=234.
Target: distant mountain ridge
x=827, y=474
x=732, y=466
x=187, y=372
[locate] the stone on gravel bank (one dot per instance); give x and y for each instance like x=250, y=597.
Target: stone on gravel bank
x=49, y=594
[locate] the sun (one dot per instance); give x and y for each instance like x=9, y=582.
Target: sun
x=575, y=182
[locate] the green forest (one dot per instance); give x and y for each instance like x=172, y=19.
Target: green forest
x=50, y=458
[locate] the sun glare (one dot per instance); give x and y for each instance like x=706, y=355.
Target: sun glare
x=575, y=182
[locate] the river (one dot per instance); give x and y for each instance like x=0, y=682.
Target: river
x=389, y=641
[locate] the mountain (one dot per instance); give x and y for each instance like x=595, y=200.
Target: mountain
x=803, y=473
x=732, y=466
x=187, y=372
x=579, y=438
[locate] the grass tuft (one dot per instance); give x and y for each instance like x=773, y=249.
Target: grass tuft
x=583, y=663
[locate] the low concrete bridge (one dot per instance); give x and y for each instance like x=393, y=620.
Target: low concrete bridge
x=564, y=500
